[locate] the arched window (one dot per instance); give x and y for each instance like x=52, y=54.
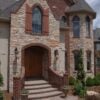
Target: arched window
x=63, y=25
x=37, y=21
x=76, y=26
x=63, y=22
x=88, y=26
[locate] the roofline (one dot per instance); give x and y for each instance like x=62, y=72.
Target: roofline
x=83, y=11
x=71, y=2
x=19, y=7
x=2, y=19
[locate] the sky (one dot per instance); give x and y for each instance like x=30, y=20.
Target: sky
x=95, y=4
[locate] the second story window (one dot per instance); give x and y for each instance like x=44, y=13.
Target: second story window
x=63, y=22
x=88, y=26
x=37, y=21
x=76, y=26
x=97, y=45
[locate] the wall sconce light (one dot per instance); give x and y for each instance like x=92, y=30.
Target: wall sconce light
x=15, y=62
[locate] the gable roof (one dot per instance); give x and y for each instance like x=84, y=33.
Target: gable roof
x=5, y=3
x=57, y=7
x=6, y=13
x=80, y=6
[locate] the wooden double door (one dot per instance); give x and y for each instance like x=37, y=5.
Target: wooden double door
x=33, y=62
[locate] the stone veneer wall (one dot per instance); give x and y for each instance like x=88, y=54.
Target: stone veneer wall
x=82, y=42
x=20, y=39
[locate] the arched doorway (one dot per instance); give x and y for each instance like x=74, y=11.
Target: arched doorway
x=36, y=62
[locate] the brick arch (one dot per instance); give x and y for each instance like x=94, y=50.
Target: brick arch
x=35, y=44
x=39, y=6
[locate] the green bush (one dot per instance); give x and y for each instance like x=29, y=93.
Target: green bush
x=71, y=80
x=80, y=89
x=82, y=93
x=90, y=81
x=98, y=76
x=97, y=80
x=77, y=87
x=1, y=80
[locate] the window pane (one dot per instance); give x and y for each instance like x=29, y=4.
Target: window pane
x=98, y=46
x=62, y=37
x=76, y=29
x=37, y=21
x=88, y=60
x=63, y=22
x=76, y=59
x=76, y=26
x=98, y=62
x=88, y=26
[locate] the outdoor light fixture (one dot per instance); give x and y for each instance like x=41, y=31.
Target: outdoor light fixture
x=15, y=62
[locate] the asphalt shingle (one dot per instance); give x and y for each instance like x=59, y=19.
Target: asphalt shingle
x=80, y=6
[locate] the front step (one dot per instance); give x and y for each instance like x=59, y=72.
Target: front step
x=40, y=89
x=37, y=86
x=44, y=95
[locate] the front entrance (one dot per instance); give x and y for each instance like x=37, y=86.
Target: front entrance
x=35, y=62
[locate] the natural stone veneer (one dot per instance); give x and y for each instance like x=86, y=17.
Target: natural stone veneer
x=20, y=39
x=81, y=43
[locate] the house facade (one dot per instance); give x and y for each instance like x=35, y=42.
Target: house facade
x=36, y=35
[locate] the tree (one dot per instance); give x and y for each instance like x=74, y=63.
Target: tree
x=80, y=86
x=80, y=68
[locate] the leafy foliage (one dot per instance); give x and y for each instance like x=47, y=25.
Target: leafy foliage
x=1, y=79
x=71, y=80
x=90, y=81
x=80, y=86
x=93, y=81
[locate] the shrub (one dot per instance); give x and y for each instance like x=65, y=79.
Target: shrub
x=71, y=80
x=90, y=81
x=98, y=76
x=82, y=93
x=97, y=80
x=1, y=80
x=77, y=87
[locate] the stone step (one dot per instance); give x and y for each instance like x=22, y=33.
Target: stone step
x=38, y=91
x=43, y=95
x=36, y=82
x=38, y=86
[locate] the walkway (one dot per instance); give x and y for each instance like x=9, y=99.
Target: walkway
x=59, y=98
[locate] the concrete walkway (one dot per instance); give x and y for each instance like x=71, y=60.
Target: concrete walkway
x=70, y=97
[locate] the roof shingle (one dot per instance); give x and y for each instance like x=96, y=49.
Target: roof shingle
x=80, y=6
